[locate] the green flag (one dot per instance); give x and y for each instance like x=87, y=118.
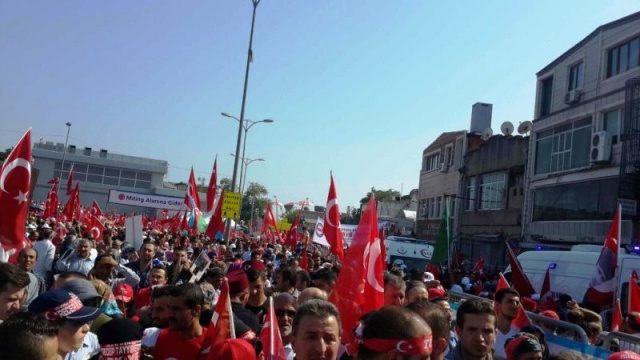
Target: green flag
x=441, y=251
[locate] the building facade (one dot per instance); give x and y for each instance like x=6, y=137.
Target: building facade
x=98, y=172
x=584, y=151
x=438, y=184
x=491, y=196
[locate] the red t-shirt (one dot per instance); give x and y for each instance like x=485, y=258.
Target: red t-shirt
x=143, y=298
x=170, y=345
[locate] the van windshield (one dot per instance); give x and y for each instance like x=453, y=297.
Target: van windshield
x=411, y=263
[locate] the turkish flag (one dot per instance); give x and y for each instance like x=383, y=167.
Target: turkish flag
x=70, y=208
x=97, y=229
x=478, y=268
x=95, y=209
x=52, y=203
x=216, y=225
x=603, y=281
x=616, y=322
x=502, y=283
x=360, y=284
x=269, y=221
x=70, y=181
x=634, y=293
x=221, y=325
x=304, y=262
x=272, y=345
x=213, y=184
x=331, y=227
x=522, y=320
x=55, y=180
x=15, y=182
x=520, y=280
x=546, y=285
x=192, y=198
x=292, y=235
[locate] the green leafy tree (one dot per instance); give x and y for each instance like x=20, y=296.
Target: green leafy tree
x=256, y=197
x=381, y=195
x=292, y=215
x=4, y=154
x=225, y=183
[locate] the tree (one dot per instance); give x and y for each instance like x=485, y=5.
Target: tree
x=256, y=198
x=381, y=195
x=225, y=183
x=292, y=215
x=4, y=154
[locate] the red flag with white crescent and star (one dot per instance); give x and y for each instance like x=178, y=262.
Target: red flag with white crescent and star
x=272, y=345
x=269, y=222
x=70, y=181
x=213, y=184
x=95, y=209
x=603, y=281
x=15, y=182
x=97, y=229
x=215, y=228
x=53, y=201
x=360, y=284
x=292, y=235
x=331, y=227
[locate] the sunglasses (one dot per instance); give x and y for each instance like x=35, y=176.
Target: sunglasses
x=282, y=312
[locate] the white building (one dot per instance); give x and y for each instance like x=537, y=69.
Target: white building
x=579, y=139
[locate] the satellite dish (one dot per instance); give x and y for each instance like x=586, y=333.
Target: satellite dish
x=487, y=133
x=506, y=128
x=525, y=127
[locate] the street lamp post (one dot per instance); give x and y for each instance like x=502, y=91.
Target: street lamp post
x=64, y=151
x=245, y=162
x=244, y=100
x=247, y=125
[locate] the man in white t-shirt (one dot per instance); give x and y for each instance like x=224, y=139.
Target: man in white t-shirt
x=507, y=301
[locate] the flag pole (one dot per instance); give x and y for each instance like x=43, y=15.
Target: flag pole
x=446, y=209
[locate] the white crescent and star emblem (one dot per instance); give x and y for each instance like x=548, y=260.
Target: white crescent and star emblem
x=401, y=346
x=95, y=232
x=19, y=162
x=330, y=205
x=371, y=254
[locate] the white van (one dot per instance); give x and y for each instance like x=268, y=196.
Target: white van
x=571, y=271
x=415, y=254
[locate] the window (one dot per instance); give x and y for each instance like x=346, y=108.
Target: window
x=470, y=194
x=564, y=147
x=545, y=96
x=439, y=209
x=613, y=124
x=423, y=210
x=575, y=76
x=433, y=162
x=623, y=57
x=589, y=200
x=492, y=191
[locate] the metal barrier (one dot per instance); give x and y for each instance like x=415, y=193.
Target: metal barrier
x=559, y=327
x=617, y=341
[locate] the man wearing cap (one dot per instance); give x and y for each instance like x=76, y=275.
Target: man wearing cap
x=120, y=339
x=80, y=261
x=64, y=308
x=395, y=332
x=257, y=275
x=107, y=269
x=624, y=355
x=239, y=295
x=13, y=284
x=86, y=292
x=26, y=260
x=46, y=254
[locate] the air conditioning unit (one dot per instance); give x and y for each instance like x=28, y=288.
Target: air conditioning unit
x=572, y=97
x=444, y=167
x=600, y=147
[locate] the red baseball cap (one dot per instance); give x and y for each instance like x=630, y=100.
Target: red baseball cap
x=436, y=292
x=123, y=292
x=550, y=314
x=620, y=355
x=233, y=349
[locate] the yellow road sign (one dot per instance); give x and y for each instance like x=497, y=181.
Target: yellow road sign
x=231, y=205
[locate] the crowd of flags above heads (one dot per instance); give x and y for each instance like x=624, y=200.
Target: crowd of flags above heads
x=365, y=261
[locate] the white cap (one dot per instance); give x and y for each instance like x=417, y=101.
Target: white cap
x=46, y=226
x=428, y=276
x=31, y=226
x=232, y=246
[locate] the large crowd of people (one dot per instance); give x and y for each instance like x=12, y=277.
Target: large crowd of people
x=71, y=297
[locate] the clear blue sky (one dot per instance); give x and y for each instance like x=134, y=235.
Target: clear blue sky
x=357, y=87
